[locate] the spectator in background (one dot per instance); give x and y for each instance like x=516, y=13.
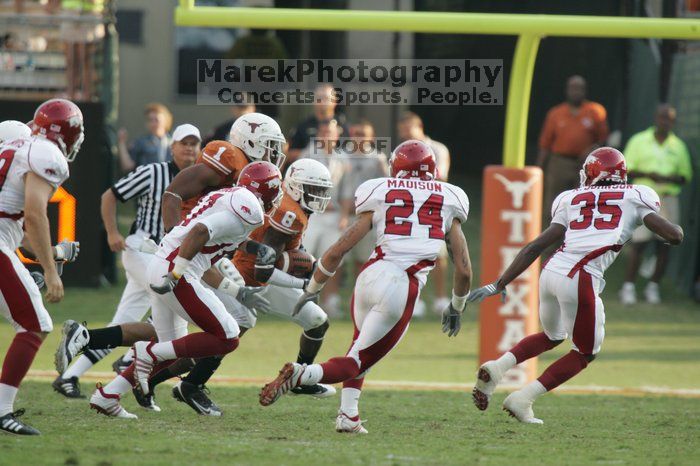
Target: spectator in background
x=324, y=229
x=659, y=159
x=221, y=132
x=324, y=110
x=410, y=126
x=81, y=39
x=571, y=131
x=364, y=163
x=149, y=148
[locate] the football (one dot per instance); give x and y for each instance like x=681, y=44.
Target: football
x=296, y=262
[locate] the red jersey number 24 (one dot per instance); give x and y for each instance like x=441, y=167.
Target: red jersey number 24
x=402, y=206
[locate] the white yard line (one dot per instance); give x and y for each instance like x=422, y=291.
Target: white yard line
x=49, y=375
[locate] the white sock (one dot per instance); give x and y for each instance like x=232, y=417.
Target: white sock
x=128, y=356
x=78, y=368
x=349, y=401
x=118, y=386
x=506, y=362
x=628, y=285
x=312, y=375
x=533, y=390
x=164, y=351
x=7, y=398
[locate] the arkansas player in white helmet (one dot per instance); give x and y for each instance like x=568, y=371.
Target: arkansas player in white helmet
x=413, y=214
x=594, y=222
x=218, y=225
x=31, y=170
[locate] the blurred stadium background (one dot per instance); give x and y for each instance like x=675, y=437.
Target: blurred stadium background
x=114, y=57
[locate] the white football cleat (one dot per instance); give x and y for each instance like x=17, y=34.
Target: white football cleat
x=144, y=361
x=74, y=338
x=487, y=378
x=651, y=293
x=347, y=424
x=628, y=294
x=520, y=407
x=288, y=378
x=108, y=404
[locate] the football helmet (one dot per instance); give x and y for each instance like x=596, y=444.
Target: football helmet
x=265, y=181
x=60, y=121
x=13, y=129
x=413, y=159
x=259, y=137
x=309, y=183
x=604, y=164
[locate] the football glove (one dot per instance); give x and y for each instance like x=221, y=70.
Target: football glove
x=451, y=321
x=38, y=278
x=250, y=297
x=479, y=294
x=307, y=297
x=167, y=285
x=67, y=251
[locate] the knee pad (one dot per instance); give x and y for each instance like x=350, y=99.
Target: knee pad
x=317, y=333
x=311, y=317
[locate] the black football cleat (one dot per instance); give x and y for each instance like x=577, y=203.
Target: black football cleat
x=120, y=365
x=70, y=388
x=10, y=424
x=196, y=397
x=146, y=401
x=317, y=391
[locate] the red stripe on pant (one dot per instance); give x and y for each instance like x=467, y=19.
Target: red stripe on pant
x=16, y=295
x=200, y=313
x=372, y=354
x=340, y=369
x=584, y=325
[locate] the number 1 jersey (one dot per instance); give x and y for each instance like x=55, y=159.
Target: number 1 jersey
x=599, y=220
x=411, y=218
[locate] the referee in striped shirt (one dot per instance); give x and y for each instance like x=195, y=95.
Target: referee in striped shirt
x=146, y=184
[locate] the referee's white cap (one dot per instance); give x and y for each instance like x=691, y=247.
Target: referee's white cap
x=184, y=130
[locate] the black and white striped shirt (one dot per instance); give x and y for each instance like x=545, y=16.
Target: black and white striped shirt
x=147, y=183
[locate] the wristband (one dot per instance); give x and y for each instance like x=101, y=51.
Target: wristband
x=314, y=286
x=228, y=287
x=181, y=265
x=459, y=302
x=323, y=269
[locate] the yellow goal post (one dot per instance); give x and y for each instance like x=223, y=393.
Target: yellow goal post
x=529, y=29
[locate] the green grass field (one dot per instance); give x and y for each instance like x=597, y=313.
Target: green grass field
x=416, y=401
x=644, y=347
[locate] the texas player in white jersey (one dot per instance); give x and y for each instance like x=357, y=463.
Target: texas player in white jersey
x=31, y=170
x=594, y=222
x=219, y=224
x=413, y=215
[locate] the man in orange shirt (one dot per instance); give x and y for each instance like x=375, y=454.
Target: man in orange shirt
x=571, y=130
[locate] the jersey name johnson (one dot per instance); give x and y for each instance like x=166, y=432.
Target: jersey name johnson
x=598, y=221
